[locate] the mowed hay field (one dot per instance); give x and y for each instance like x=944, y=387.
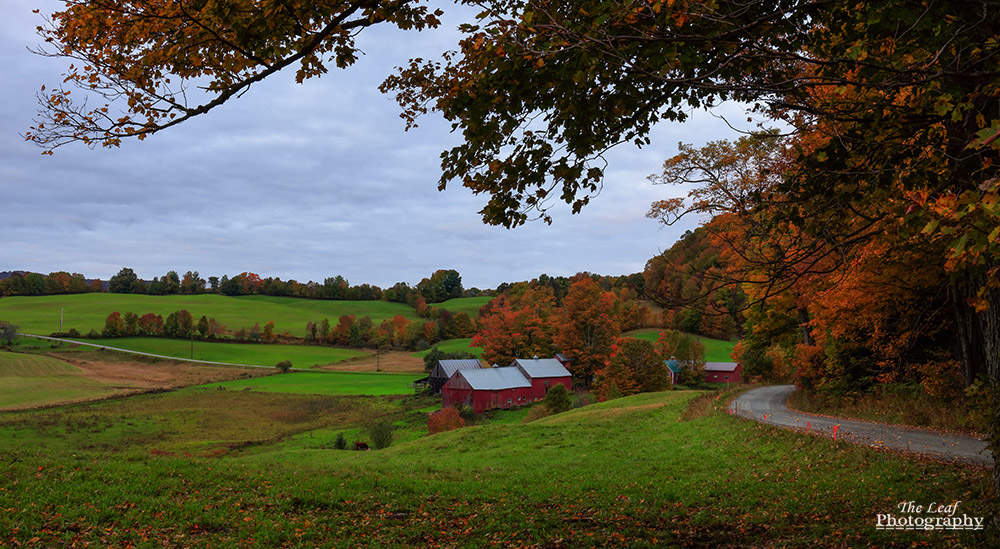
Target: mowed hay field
x=84, y=312
x=208, y=468
x=32, y=380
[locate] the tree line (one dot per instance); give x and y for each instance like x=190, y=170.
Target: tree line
x=348, y=331
x=57, y=283
x=442, y=285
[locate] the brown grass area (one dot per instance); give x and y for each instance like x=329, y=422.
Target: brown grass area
x=154, y=374
x=391, y=361
x=702, y=405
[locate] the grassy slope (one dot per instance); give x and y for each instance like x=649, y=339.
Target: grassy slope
x=716, y=350
x=40, y=315
x=454, y=346
x=41, y=380
x=618, y=473
x=302, y=356
x=467, y=305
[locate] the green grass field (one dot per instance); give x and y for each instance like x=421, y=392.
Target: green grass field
x=467, y=305
x=302, y=356
x=84, y=312
x=208, y=468
x=716, y=350
x=454, y=346
x=40, y=380
x=328, y=383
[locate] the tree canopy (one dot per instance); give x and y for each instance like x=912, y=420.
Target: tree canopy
x=162, y=62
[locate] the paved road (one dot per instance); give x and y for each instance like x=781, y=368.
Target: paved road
x=767, y=405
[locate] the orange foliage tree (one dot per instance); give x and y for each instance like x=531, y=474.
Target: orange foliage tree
x=519, y=323
x=587, y=327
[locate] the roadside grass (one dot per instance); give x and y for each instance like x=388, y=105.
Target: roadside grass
x=302, y=356
x=903, y=404
x=40, y=380
x=624, y=473
x=716, y=350
x=84, y=312
x=463, y=345
x=326, y=383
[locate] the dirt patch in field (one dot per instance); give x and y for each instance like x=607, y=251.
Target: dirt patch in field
x=391, y=361
x=126, y=375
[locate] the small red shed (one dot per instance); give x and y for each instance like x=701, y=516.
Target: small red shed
x=544, y=373
x=723, y=372
x=486, y=388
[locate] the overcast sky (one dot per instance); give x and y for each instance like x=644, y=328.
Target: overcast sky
x=300, y=182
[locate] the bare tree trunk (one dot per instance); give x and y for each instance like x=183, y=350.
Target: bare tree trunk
x=804, y=326
x=977, y=345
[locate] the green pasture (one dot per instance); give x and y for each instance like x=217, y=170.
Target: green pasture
x=716, y=350
x=467, y=305
x=210, y=468
x=328, y=383
x=85, y=312
x=39, y=380
x=463, y=345
x=302, y=356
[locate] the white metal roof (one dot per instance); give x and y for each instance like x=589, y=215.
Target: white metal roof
x=721, y=366
x=537, y=368
x=450, y=366
x=491, y=379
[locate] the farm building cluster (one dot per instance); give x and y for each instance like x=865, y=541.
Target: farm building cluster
x=525, y=381
x=466, y=382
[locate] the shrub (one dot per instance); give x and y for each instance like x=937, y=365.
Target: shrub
x=381, y=432
x=466, y=412
x=284, y=366
x=446, y=419
x=557, y=399
x=8, y=331
x=536, y=412
x=340, y=443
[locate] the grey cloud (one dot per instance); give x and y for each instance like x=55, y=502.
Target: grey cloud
x=299, y=181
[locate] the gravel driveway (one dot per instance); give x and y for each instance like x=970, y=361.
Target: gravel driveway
x=767, y=405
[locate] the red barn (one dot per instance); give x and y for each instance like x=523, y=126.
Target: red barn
x=723, y=372
x=486, y=388
x=444, y=369
x=543, y=373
